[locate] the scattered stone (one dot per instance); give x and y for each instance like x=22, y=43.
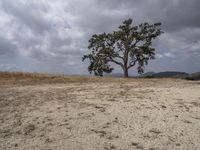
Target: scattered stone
x=198, y=118
x=101, y=133
x=156, y=131
x=186, y=121
x=48, y=140
x=111, y=147
x=134, y=144
x=28, y=129
x=145, y=116
x=102, y=109
x=137, y=145
x=163, y=106
x=116, y=120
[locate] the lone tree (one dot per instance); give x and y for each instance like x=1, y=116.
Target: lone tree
x=127, y=47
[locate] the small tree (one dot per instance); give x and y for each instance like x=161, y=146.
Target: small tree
x=127, y=47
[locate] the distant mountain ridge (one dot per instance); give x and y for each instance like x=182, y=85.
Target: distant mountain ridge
x=194, y=76
x=148, y=74
x=165, y=74
x=172, y=74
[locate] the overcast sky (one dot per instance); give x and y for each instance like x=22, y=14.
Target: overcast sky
x=52, y=35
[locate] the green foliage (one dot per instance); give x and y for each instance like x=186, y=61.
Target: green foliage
x=128, y=46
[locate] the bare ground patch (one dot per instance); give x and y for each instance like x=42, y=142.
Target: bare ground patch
x=126, y=114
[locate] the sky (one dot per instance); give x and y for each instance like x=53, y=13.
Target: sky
x=52, y=35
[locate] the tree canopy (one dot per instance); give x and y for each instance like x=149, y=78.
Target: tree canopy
x=127, y=47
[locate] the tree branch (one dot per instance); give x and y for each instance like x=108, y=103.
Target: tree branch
x=116, y=62
x=134, y=45
x=132, y=64
x=118, y=56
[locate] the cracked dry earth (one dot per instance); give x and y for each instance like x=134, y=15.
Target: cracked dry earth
x=149, y=114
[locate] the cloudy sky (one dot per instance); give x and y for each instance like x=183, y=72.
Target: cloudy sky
x=52, y=35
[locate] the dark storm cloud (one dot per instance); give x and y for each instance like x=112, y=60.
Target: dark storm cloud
x=6, y=47
x=52, y=35
x=181, y=14
x=174, y=14
x=28, y=15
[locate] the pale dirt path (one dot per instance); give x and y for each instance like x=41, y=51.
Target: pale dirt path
x=149, y=114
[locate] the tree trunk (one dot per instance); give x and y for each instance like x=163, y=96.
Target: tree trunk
x=125, y=72
x=125, y=67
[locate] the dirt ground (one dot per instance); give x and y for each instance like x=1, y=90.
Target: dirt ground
x=124, y=114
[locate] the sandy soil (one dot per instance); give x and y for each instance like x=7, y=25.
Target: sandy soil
x=149, y=114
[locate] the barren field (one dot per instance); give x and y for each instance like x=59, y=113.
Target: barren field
x=100, y=114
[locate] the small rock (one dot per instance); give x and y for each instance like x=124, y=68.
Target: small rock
x=163, y=106
x=134, y=144
x=28, y=129
x=186, y=121
x=156, y=131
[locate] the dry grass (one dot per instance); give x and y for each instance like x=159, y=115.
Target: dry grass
x=24, y=78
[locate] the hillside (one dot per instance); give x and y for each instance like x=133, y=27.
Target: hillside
x=170, y=74
x=166, y=74
x=194, y=76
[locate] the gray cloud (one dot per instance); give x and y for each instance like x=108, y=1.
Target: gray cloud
x=51, y=36
x=181, y=14
x=6, y=47
x=28, y=14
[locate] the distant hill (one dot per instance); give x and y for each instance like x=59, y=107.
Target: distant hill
x=114, y=75
x=193, y=76
x=148, y=74
x=117, y=74
x=170, y=74
x=165, y=74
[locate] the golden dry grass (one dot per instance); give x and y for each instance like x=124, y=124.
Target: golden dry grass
x=40, y=78
x=24, y=78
